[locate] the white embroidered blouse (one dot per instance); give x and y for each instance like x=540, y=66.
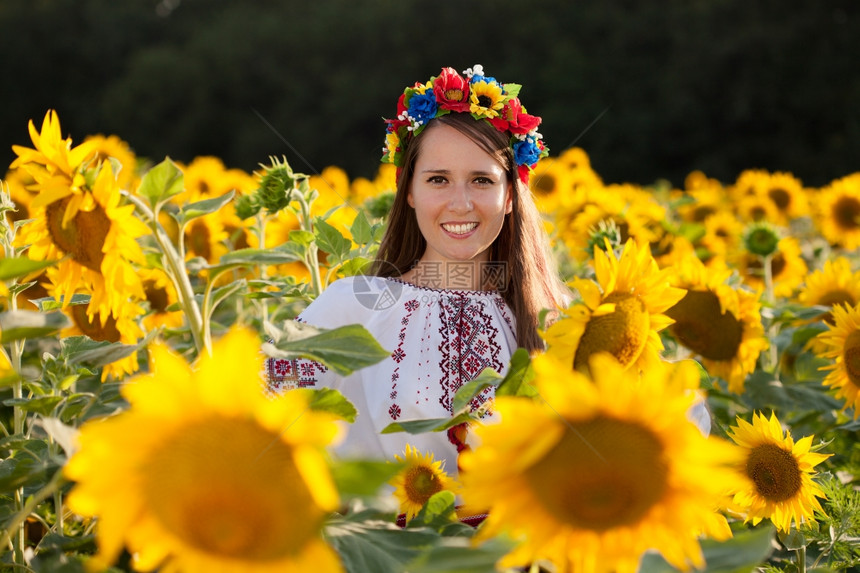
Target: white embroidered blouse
x=439, y=340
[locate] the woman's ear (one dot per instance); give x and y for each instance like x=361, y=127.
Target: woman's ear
x=509, y=200
x=409, y=198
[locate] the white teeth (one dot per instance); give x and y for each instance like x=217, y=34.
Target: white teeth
x=460, y=229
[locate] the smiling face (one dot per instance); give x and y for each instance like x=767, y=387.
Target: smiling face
x=460, y=194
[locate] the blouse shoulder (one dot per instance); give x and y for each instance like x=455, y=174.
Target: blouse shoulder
x=349, y=300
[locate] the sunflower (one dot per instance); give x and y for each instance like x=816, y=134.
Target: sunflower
x=111, y=146
x=633, y=210
x=833, y=284
x=621, y=313
x=97, y=244
x=215, y=476
x=718, y=322
x=842, y=343
x=550, y=180
x=419, y=480
x=599, y=470
x=787, y=268
x=120, y=327
x=838, y=214
x=722, y=235
x=56, y=167
x=160, y=294
x=787, y=194
x=486, y=99
x=779, y=471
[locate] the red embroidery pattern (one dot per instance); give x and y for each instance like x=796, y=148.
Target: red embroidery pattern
x=283, y=374
x=469, y=344
x=398, y=355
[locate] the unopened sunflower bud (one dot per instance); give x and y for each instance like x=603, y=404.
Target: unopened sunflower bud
x=761, y=239
x=278, y=183
x=606, y=236
x=246, y=206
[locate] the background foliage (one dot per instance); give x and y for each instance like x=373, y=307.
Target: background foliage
x=719, y=86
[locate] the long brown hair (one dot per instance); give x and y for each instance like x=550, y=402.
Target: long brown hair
x=531, y=278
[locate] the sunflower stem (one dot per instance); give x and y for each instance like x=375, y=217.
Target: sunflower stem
x=801, y=559
x=16, y=524
x=767, y=268
x=312, y=257
x=177, y=273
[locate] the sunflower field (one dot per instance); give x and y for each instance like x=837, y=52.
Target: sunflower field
x=696, y=407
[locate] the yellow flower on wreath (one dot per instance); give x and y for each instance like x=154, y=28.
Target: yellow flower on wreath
x=597, y=470
x=779, y=472
x=838, y=212
x=96, y=246
x=419, y=480
x=718, y=322
x=842, y=344
x=621, y=312
x=204, y=472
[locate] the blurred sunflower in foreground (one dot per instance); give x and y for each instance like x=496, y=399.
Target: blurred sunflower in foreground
x=621, y=313
x=214, y=475
x=596, y=471
x=779, y=471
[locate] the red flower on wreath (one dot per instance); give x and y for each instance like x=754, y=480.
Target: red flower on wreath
x=513, y=117
x=452, y=90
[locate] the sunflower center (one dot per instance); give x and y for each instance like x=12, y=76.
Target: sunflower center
x=94, y=328
x=702, y=212
x=851, y=357
x=230, y=488
x=846, y=213
x=83, y=237
x=544, y=185
x=485, y=101
x=623, y=332
x=420, y=484
x=157, y=296
x=701, y=327
x=197, y=240
x=604, y=473
x=774, y=471
x=780, y=197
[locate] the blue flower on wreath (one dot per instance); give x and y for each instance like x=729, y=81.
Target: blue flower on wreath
x=422, y=107
x=526, y=152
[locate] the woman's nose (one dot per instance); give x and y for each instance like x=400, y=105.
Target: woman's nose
x=461, y=199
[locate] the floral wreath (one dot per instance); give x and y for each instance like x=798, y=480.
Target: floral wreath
x=483, y=97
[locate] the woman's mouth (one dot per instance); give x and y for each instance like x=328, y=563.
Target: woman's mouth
x=459, y=228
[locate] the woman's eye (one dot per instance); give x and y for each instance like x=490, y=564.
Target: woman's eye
x=484, y=181
x=436, y=180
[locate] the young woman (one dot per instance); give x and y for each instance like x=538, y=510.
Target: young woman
x=463, y=271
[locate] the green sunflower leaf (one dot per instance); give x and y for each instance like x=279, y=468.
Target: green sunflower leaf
x=162, y=182
x=20, y=324
x=376, y=545
x=14, y=267
x=205, y=207
x=330, y=240
x=344, y=349
x=363, y=478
